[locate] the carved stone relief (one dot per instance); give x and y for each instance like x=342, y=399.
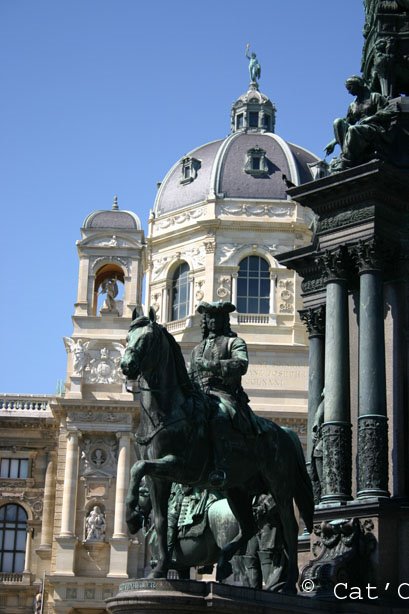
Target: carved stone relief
x=226, y=251
x=103, y=365
x=78, y=348
x=98, y=456
x=98, y=261
x=257, y=210
x=186, y=216
x=286, y=295
x=199, y=294
x=195, y=255
x=223, y=290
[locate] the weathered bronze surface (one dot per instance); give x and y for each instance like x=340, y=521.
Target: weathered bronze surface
x=173, y=442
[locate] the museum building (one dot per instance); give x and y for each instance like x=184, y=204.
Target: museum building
x=220, y=218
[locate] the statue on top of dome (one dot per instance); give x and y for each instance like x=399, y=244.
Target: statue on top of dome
x=254, y=65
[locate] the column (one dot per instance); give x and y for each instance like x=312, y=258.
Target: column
x=372, y=470
x=272, y=301
x=29, y=546
x=336, y=430
x=314, y=319
x=164, y=314
x=48, y=508
x=69, y=498
x=120, y=542
x=191, y=295
x=234, y=288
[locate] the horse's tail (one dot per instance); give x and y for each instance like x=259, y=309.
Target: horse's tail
x=303, y=493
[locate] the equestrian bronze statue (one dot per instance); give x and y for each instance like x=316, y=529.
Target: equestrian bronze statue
x=177, y=440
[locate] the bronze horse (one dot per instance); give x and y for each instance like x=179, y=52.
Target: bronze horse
x=174, y=446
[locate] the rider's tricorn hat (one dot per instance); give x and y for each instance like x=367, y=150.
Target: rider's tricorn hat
x=216, y=307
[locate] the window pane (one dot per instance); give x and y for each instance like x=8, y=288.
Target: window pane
x=253, y=287
x=264, y=287
x=254, y=263
x=19, y=562
x=21, y=514
x=256, y=163
x=253, y=305
x=4, y=468
x=253, y=119
x=264, y=303
x=9, y=539
x=21, y=539
x=24, y=468
x=241, y=305
x=8, y=562
x=14, y=464
x=11, y=513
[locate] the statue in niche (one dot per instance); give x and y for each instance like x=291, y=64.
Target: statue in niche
x=95, y=525
x=254, y=65
x=364, y=133
x=110, y=288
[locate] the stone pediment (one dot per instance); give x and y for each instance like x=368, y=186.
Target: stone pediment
x=111, y=241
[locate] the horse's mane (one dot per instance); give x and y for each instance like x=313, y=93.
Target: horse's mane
x=181, y=371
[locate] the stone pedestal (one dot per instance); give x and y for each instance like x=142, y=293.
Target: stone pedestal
x=191, y=597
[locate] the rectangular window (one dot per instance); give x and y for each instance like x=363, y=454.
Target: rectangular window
x=239, y=121
x=14, y=468
x=256, y=163
x=266, y=122
x=253, y=119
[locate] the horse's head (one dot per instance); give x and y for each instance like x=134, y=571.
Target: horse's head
x=143, y=346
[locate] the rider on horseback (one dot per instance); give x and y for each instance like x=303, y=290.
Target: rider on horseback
x=217, y=364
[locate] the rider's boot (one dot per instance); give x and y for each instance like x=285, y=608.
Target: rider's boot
x=218, y=476
x=253, y=571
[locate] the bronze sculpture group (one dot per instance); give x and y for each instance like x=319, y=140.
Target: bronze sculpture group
x=178, y=442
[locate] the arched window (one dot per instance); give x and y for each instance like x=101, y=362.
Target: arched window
x=13, y=527
x=180, y=292
x=253, y=285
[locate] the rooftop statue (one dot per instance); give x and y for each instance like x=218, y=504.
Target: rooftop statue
x=177, y=442
x=364, y=133
x=254, y=65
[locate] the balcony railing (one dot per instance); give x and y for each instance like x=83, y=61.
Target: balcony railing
x=178, y=325
x=253, y=318
x=25, y=402
x=10, y=577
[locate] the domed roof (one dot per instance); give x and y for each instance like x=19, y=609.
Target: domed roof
x=249, y=163
x=113, y=218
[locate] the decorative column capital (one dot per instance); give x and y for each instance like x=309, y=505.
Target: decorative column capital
x=368, y=255
x=314, y=319
x=335, y=265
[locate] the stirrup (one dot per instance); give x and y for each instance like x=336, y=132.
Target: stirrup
x=217, y=478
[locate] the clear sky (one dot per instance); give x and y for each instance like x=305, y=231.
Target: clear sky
x=103, y=96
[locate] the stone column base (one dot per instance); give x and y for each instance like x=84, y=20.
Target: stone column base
x=64, y=563
x=118, y=563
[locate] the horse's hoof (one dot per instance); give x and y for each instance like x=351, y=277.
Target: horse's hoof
x=224, y=570
x=158, y=574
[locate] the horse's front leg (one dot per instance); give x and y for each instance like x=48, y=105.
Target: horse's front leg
x=240, y=504
x=133, y=513
x=160, y=493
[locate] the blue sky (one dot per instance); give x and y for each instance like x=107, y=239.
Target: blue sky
x=103, y=96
